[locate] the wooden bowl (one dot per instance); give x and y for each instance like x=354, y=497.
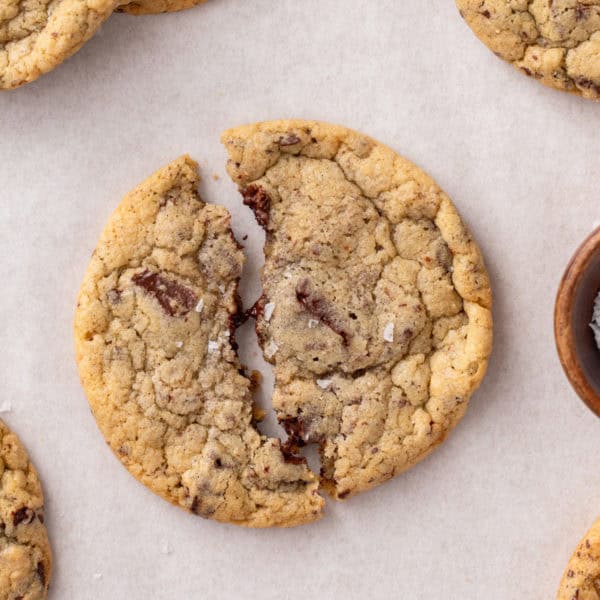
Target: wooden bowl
x=577, y=349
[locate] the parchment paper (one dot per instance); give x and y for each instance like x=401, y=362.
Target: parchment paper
x=497, y=510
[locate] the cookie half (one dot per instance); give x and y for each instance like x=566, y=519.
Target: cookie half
x=25, y=555
x=556, y=42
x=37, y=36
x=152, y=7
x=154, y=332
x=581, y=580
x=376, y=302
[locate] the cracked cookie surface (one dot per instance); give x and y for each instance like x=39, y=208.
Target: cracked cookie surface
x=581, y=580
x=25, y=555
x=554, y=41
x=152, y=7
x=157, y=358
x=376, y=303
x=38, y=35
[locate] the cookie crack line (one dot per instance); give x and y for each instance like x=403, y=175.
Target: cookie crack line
x=375, y=316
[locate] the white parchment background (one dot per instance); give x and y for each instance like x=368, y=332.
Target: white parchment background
x=495, y=512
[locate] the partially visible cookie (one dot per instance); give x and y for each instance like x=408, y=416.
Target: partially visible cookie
x=156, y=351
x=376, y=302
x=37, y=35
x=581, y=580
x=25, y=555
x=152, y=7
x=556, y=42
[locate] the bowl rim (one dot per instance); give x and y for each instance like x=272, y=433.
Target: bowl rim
x=563, y=320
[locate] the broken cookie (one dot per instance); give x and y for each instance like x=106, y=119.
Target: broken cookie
x=376, y=302
x=375, y=314
x=154, y=338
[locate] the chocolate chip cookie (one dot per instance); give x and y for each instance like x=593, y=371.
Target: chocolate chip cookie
x=581, y=580
x=25, y=556
x=156, y=352
x=376, y=305
x=556, y=42
x=151, y=7
x=38, y=35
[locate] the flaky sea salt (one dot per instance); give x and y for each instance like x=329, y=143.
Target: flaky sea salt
x=595, y=324
x=97, y=576
x=324, y=384
x=270, y=349
x=6, y=406
x=200, y=305
x=213, y=346
x=269, y=308
x=166, y=548
x=312, y=323
x=179, y=344
x=388, y=332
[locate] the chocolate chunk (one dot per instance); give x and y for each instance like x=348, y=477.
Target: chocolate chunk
x=289, y=140
x=175, y=299
x=581, y=12
x=258, y=308
x=23, y=514
x=195, y=505
x=588, y=84
x=296, y=430
x=41, y=573
x=289, y=451
x=258, y=200
x=321, y=309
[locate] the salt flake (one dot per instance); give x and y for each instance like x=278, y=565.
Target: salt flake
x=97, y=576
x=270, y=349
x=166, y=548
x=200, y=305
x=324, y=383
x=312, y=323
x=179, y=344
x=213, y=346
x=388, y=332
x=269, y=308
x=6, y=406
